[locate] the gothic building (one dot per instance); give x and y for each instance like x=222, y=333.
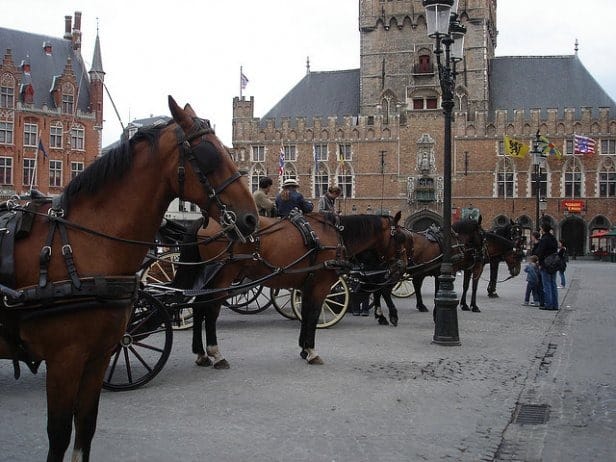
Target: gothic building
x=377, y=131
x=51, y=109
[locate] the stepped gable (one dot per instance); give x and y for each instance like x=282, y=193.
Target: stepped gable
x=44, y=66
x=319, y=94
x=545, y=82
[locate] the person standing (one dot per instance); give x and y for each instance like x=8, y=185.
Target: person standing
x=265, y=206
x=547, y=246
x=564, y=258
x=290, y=198
x=534, y=242
x=327, y=203
x=532, y=282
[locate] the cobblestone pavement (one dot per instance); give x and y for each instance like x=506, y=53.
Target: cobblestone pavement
x=384, y=393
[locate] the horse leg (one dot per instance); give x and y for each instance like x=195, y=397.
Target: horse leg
x=378, y=311
x=466, y=281
x=417, y=282
x=197, y=341
x=311, y=308
x=211, y=316
x=493, y=278
x=393, y=311
x=477, y=273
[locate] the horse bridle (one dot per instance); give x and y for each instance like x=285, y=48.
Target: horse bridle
x=397, y=265
x=201, y=128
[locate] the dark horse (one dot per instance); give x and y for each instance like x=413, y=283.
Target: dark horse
x=469, y=256
x=466, y=249
x=69, y=296
x=513, y=232
x=503, y=243
x=304, y=252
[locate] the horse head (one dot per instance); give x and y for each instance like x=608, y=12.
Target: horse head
x=213, y=172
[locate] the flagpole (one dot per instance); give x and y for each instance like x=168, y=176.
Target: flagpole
x=35, y=171
x=241, y=73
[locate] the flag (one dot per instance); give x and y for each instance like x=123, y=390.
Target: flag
x=515, y=148
x=42, y=148
x=314, y=156
x=583, y=145
x=548, y=148
x=281, y=161
x=243, y=80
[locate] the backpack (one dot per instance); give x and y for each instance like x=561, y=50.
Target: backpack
x=552, y=263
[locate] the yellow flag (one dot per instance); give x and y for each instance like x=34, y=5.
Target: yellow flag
x=515, y=148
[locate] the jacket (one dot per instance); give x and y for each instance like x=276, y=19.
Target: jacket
x=547, y=246
x=532, y=274
x=296, y=199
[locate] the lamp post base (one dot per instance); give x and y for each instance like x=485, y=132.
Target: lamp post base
x=445, y=313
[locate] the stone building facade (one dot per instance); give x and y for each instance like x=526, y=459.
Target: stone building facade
x=51, y=109
x=377, y=131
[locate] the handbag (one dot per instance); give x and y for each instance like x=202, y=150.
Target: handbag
x=552, y=263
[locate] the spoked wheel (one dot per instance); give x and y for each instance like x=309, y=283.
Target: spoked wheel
x=144, y=348
x=162, y=271
x=281, y=299
x=404, y=288
x=249, y=302
x=334, y=306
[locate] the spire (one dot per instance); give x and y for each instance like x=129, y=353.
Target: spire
x=307, y=64
x=576, y=47
x=97, y=72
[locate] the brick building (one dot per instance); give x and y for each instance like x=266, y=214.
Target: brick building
x=51, y=109
x=377, y=131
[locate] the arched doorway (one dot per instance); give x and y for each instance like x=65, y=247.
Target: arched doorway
x=422, y=220
x=573, y=234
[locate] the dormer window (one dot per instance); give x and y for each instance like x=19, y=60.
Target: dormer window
x=47, y=48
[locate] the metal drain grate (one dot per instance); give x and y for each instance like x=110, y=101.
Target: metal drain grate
x=532, y=414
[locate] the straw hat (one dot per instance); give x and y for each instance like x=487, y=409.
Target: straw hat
x=290, y=182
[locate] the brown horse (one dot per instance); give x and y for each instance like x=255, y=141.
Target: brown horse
x=73, y=284
x=284, y=256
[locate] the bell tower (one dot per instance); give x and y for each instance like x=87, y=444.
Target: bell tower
x=397, y=63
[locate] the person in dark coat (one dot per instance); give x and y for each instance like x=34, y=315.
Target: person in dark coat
x=291, y=198
x=547, y=246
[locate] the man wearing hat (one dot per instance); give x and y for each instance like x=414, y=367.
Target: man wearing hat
x=290, y=197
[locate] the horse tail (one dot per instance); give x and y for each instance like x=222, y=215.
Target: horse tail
x=189, y=253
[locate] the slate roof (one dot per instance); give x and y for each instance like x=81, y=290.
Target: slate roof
x=44, y=68
x=546, y=82
x=319, y=94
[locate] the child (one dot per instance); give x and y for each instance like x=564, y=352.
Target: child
x=532, y=282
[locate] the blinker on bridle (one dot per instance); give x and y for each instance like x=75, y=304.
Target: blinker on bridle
x=200, y=128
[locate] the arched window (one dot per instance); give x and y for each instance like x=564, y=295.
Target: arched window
x=607, y=179
x=504, y=178
x=321, y=180
x=344, y=176
x=425, y=64
x=572, y=178
x=258, y=172
x=78, y=137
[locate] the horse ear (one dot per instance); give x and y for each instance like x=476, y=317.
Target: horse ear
x=397, y=217
x=180, y=116
x=188, y=108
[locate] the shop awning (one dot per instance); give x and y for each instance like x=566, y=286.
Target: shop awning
x=599, y=233
x=612, y=233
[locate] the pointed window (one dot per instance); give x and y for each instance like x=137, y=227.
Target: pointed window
x=607, y=180
x=504, y=178
x=573, y=179
x=7, y=96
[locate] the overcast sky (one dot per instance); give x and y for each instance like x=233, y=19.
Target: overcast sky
x=193, y=49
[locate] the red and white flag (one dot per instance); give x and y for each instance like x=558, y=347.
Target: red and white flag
x=583, y=145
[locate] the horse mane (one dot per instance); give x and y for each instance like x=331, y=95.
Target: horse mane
x=357, y=228
x=466, y=226
x=111, y=166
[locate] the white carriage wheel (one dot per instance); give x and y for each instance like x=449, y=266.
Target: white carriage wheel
x=334, y=306
x=404, y=288
x=162, y=271
x=281, y=299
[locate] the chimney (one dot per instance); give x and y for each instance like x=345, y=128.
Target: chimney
x=77, y=31
x=67, y=28
x=77, y=20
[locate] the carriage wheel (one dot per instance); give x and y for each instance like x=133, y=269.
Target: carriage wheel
x=144, y=348
x=162, y=271
x=281, y=299
x=404, y=288
x=249, y=302
x=334, y=306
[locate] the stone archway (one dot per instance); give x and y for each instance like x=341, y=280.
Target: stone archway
x=422, y=220
x=573, y=234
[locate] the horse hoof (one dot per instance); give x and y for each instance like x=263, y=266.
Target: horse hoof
x=203, y=361
x=476, y=310
x=493, y=295
x=383, y=322
x=316, y=360
x=422, y=309
x=303, y=354
x=394, y=322
x=222, y=364
x=465, y=308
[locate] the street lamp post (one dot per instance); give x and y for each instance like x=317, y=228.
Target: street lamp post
x=443, y=26
x=537, y=159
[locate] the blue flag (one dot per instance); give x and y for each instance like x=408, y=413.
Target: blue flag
x=42, y=148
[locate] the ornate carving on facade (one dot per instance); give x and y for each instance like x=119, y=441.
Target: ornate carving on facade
x=425, y=155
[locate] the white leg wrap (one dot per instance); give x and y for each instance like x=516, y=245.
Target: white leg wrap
x=77, y=455
x=311, y=354
x=214, y=352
